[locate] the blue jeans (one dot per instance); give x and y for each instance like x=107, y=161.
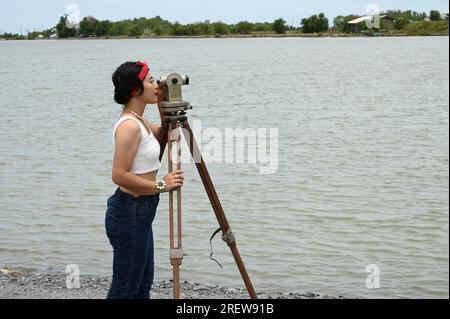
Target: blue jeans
x=128, y=223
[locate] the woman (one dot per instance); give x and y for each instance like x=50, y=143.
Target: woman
x=131, y=210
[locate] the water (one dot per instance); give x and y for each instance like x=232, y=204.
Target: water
x=363, y=174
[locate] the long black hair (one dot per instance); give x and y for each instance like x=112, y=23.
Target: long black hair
x=126, y=81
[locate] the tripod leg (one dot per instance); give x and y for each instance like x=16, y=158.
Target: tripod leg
x=227, y=235
x=171, y=234
x=176, y=280
x=176, y=252
x=180, y=243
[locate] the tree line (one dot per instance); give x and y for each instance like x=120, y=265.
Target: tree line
x=157, y=26
x=91, y=27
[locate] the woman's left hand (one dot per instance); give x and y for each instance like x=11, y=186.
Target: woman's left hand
x=161, y=93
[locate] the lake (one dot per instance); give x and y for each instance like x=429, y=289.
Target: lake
x=360, y=187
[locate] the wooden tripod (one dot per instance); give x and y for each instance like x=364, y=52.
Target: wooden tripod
x=170, y=133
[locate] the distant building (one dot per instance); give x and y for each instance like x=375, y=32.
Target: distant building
x=385, y=23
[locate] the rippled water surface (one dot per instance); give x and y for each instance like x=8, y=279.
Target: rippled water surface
x=363, y=159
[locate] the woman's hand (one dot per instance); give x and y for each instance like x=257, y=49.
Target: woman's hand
x=161, y=93
x=174, y=180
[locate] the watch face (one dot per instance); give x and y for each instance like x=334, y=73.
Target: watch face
x=161, y=185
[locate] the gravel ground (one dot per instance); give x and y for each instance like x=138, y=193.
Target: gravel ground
x=17, y=285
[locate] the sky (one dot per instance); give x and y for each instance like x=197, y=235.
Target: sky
x=21, y=16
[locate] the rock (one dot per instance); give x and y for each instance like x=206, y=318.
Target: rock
x=11, y=272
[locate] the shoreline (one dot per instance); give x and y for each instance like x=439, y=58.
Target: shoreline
x=18, y=285
x=241, y=36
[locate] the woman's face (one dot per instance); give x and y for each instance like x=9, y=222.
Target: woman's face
x=151, y=90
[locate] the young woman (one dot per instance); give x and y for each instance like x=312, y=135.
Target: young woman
x=131, y=210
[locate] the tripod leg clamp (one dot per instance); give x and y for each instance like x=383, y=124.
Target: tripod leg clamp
x=176, y=254
x=228, y=237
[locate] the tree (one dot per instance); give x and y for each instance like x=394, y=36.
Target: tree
x=62, y=30
x=220, y=28
x=263, y=27
x=315, y=23
x=181, y=29
x=103, y=28
x=11, y=36
x=435, y=15
x=47, y=33
x=32, y=35
x=88, y=25
x=400, y=23
x=340, y=23
x=118, y=28
x=324, y=25
x=158, y=30
x=279, y=26
x=419, y=16
x=135, y=31
x=201, y=28
x=244, y=27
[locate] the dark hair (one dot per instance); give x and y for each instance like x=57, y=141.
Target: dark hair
x=126, y=80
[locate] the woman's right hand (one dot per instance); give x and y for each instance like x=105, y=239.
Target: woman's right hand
x=174, y=180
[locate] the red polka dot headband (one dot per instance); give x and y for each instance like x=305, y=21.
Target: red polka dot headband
x=144, y=70
x=142, y=74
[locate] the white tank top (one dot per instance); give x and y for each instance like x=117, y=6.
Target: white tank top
x=147, y=155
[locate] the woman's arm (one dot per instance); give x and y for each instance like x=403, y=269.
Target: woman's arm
x=127, y=143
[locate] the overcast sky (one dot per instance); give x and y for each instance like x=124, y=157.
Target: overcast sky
x=20, y=16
